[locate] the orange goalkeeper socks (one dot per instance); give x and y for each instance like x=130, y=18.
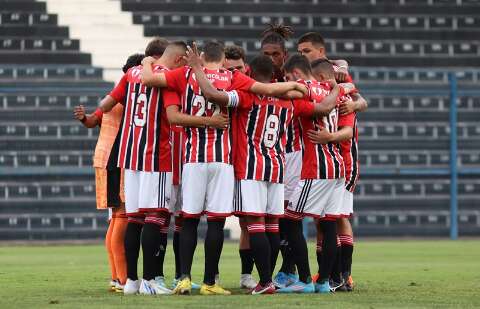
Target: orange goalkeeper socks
x=108, y=245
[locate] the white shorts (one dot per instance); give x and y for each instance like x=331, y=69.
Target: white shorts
x=258, y=198
x=176, y=200
x=346, y=210
x=147, y=191
x=293, y=169
x=318, y=198
x=207, y=188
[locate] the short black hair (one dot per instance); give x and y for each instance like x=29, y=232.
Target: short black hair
x=133, y=61
x=262, y=67
x=234, y=52
x=313, y=37
x=213, y=51
x=156, y=47
x=323, y=66
x=297, y=61
x=276, y=34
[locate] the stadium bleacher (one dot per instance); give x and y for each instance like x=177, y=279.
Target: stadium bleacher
x=399, y=52
x=43, y=72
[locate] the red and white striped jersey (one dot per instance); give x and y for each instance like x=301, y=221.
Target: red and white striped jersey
x=144, y=140
x=205, y=144
x=349, y=151
x=176, y=140
x=320, y=161
x=259, y=124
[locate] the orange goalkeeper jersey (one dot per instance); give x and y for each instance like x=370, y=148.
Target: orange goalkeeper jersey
x=106, y=138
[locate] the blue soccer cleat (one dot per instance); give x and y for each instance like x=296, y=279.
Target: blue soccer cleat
x=282, y=280
x=298, y=287
x=323, y=287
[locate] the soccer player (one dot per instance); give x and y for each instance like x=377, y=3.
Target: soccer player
x=109, y=181
x=273, y=45
x=321, y=186
x=207, y=177
x=312, y=46
x=235, y=60
x=349, y=150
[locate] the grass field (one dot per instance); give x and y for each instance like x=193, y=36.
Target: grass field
x=389, y=274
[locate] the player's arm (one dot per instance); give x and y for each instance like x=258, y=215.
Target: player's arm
x=176, y=117
x=107, y=103
x=148, y=77
x=90, y=120
x=322, y=136
x=277, y=89
x=357, y=104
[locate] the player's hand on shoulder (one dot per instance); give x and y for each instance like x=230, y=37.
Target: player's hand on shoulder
x=148, y=60
x=348, y=87
x=341, y=75
x=320, y=136
x=301, y=87
x=347, y=107
x=79, y=112
x=219, y=121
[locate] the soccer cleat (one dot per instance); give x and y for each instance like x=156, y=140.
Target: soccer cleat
x=247, y=282
x=160, y=280
x=113, y=284
x=119, y=287
x=349, y=284
x=323, y=287
x=131, y=287
x=194, y=285
x=213, y=290
x=183, y=287
x=298, y=287
x=336, y=286
x=282, y=280
x=269, y=288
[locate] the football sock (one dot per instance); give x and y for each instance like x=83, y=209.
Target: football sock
x=260, y=247
x=213, y=249
x=118, y=248
x=319, y=253
x=132, y=245
x=336, y=274
x=329, y=248
x=274, y=240
x=347, y=252
x=176, y=246
x=288, y=261
x=188, y=244
x=247, y=260
x=151, y=245
x=299, y=248
x=108, y=245
x=162, y=248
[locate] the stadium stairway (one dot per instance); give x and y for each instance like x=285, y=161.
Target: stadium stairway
x=105, y=32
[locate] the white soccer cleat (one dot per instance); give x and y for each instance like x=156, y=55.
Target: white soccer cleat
x=161, y=287
x=247, y=281
x=113, y=284
x=151, y=287
x=119, y=287
x=131, y=287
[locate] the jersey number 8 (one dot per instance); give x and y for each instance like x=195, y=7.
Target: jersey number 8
x=270, y=135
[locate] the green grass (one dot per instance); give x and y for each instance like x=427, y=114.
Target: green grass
x=389, y=274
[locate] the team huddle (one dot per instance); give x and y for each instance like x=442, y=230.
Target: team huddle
x=185, y=134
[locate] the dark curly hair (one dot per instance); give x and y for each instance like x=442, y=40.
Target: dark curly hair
x=133, y=61
x=276, y=33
